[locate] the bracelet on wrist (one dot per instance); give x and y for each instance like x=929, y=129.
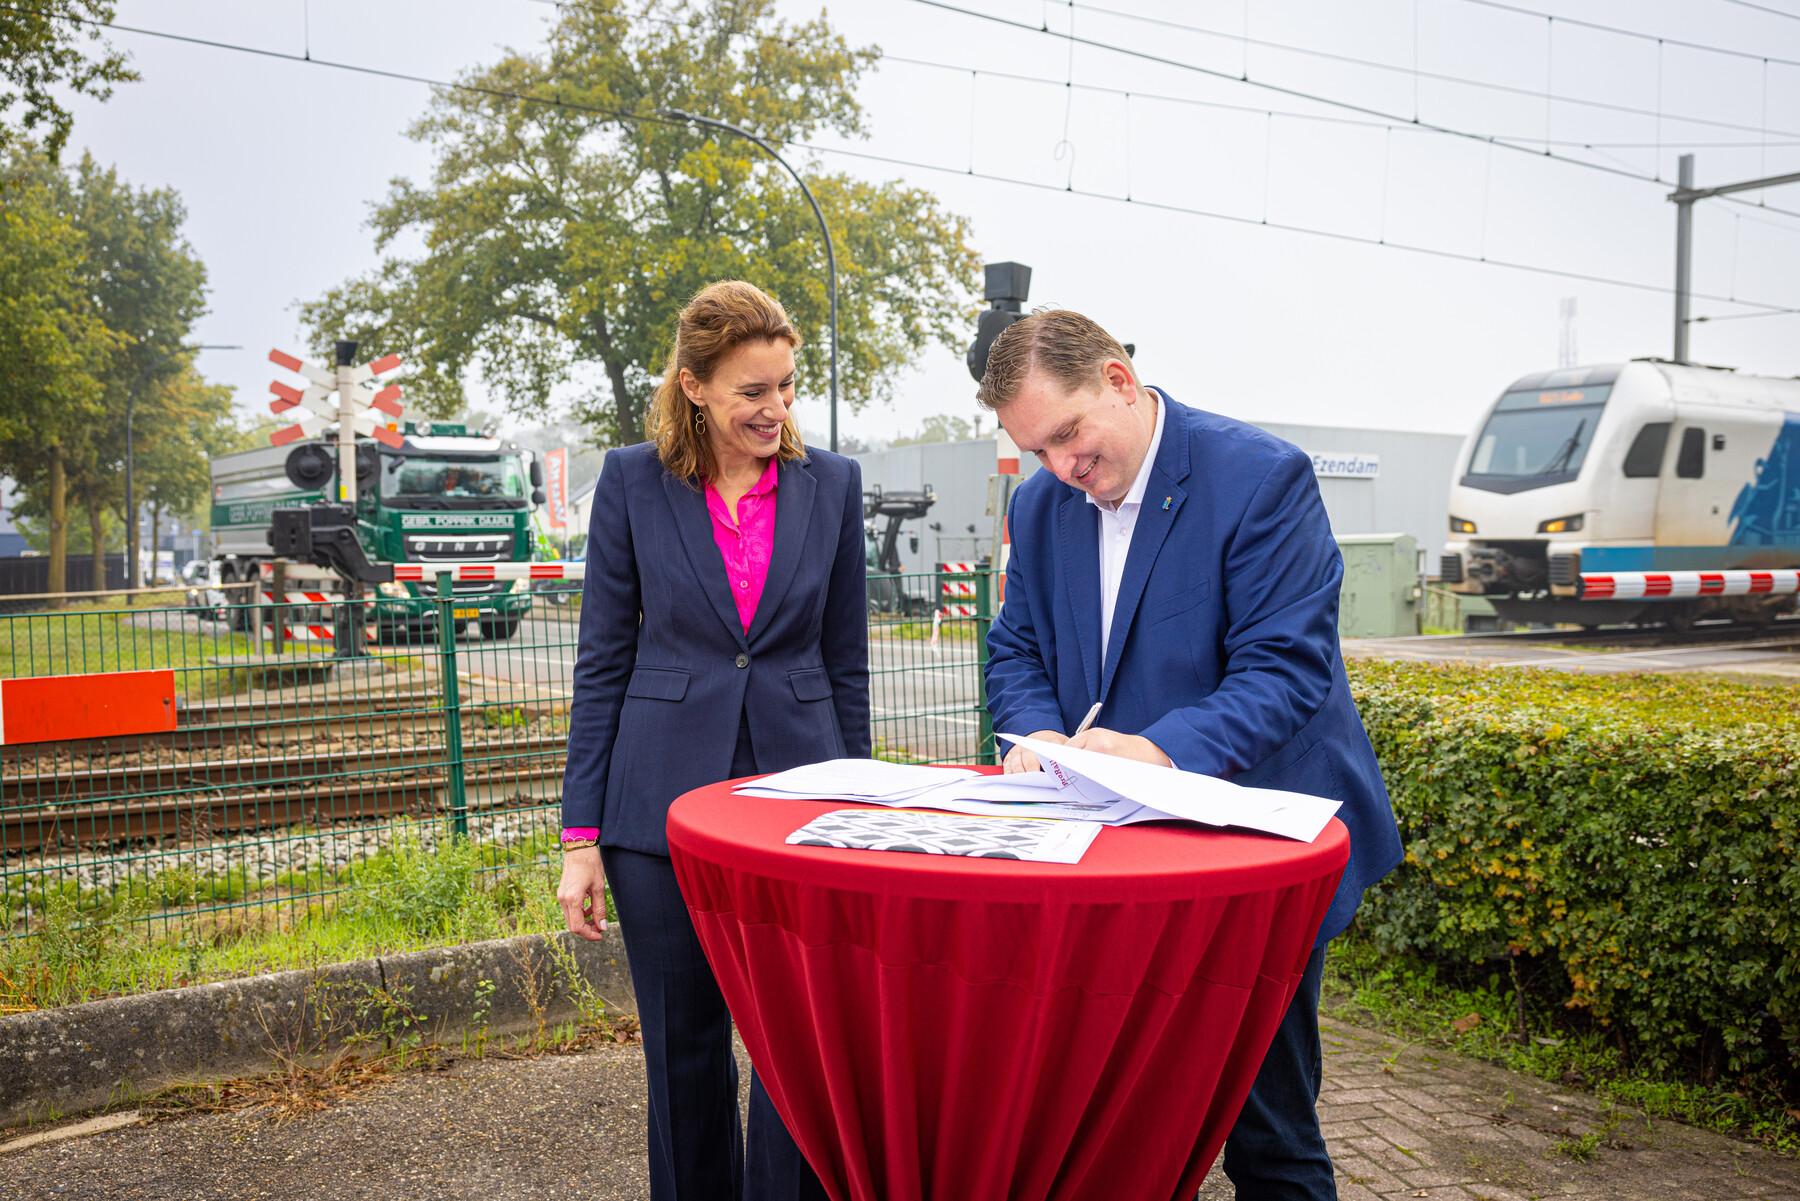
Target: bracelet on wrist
x=577, y=844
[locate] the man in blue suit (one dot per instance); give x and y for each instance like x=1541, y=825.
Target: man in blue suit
x=1178, y=567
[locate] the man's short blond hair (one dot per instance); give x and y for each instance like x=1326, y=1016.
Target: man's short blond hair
x=1069, y=348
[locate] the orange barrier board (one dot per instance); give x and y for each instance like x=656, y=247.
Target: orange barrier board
x=102, y=705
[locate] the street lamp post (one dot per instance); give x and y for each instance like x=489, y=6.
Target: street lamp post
x=830, y=254
x=131, y=523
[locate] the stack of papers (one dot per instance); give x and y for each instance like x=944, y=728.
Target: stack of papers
x=1077, y=785
x=1162, y=793
x=948, y=834
x=874, y=780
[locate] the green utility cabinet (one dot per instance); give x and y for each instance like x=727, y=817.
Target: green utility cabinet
x=1382, y=596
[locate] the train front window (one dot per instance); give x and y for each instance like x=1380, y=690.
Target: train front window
x=1535, y=438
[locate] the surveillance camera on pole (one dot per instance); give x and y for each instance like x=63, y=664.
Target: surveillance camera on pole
x=1007, y=286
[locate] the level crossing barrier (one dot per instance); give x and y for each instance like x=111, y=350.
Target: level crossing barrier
x=277, y=766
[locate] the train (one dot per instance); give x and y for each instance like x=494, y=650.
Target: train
x=1647, y=466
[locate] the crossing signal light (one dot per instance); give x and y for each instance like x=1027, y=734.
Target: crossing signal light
x=1006, y=287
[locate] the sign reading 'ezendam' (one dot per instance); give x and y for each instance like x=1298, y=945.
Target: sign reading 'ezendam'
x=1335, y=465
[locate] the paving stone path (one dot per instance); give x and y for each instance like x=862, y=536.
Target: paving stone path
x=1402, y=1122
x=1417, y=1122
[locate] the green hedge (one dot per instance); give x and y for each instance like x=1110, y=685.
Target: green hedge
x=1639, y=831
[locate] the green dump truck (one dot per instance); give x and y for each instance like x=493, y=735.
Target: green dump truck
x=443, y=495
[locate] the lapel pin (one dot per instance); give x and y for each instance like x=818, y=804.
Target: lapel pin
x=1166, y=501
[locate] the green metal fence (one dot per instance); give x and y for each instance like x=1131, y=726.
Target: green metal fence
x=927, y=648
x=291, y=763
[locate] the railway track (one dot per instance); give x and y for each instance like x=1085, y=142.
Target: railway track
x=112, y=799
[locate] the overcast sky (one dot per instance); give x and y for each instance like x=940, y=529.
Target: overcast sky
x=278, y=163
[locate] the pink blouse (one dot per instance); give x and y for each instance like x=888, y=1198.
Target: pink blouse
x=745, y=546
x=747, y=543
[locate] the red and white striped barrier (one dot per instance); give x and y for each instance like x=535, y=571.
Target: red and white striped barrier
x=1681, y=585
x=469, y=572
x=312, y=632
x=1006, y=462
x=956, y=597
x=418, y=573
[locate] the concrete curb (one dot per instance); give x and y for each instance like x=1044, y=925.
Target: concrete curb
x=62, y=1061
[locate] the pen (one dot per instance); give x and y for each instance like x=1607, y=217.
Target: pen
x=1088, y=720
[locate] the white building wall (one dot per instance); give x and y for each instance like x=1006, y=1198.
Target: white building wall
x=1411, y=495
x=958, y=472
x=1408, y=495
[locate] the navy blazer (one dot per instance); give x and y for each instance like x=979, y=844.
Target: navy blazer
x=665, y=670
x=1224, y=645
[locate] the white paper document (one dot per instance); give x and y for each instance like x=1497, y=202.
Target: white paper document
x=953, y=790
x=1076, y=785
x=1166, y=792
x=854, y=780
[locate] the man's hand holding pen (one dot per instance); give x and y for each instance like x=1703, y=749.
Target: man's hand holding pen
x=1088, y=737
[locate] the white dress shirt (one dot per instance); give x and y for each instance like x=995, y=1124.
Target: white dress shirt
x=1116, y=525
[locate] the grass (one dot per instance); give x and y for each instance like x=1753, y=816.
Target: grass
x=92, y=638
x=1477, y=1013
x=889, y=752
x=404, y=898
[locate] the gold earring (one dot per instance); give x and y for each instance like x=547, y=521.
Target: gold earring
x=699, y=420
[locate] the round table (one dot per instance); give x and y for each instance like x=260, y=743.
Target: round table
x=943, y=1027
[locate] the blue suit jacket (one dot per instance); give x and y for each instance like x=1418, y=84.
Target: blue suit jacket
x=665, y=669
x=1224, y=647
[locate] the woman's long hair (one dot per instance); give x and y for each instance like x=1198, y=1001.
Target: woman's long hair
x=720, y=318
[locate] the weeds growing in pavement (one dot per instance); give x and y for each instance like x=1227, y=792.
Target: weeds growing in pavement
x=403, y=898
x=1479, y=1015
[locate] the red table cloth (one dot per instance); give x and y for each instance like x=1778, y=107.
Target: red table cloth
x=949, y=1028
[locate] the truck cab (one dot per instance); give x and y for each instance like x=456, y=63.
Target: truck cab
x=444, y=494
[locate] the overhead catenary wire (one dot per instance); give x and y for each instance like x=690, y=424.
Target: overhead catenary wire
x=1334, y=235
x=1634, y=33
x=1333, y=102
x=1763, y=8
x=1259, y=110
x=1349, y=59
x=655, y=118
x=1513, y=142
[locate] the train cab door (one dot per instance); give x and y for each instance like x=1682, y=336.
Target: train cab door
x=1703, y=471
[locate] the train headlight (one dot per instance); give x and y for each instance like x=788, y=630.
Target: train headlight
x=1460, y=526
x=1560, y=525
x=391, y=589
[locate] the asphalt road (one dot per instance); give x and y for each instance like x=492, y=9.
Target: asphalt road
x=924, y=701
x=1775, y=654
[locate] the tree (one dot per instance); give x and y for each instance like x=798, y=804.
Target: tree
x=130, y=271
x=40, y=51
x=941, y=427
x=54, y=345
x=191, y=420
x=563, y=236
x=149, y=288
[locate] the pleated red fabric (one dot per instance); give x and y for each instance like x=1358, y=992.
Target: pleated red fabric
x=940, y=1028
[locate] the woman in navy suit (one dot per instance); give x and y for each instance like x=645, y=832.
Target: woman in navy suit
x=723, y=633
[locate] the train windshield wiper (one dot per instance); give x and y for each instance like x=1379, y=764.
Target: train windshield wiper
x=1561, y=461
